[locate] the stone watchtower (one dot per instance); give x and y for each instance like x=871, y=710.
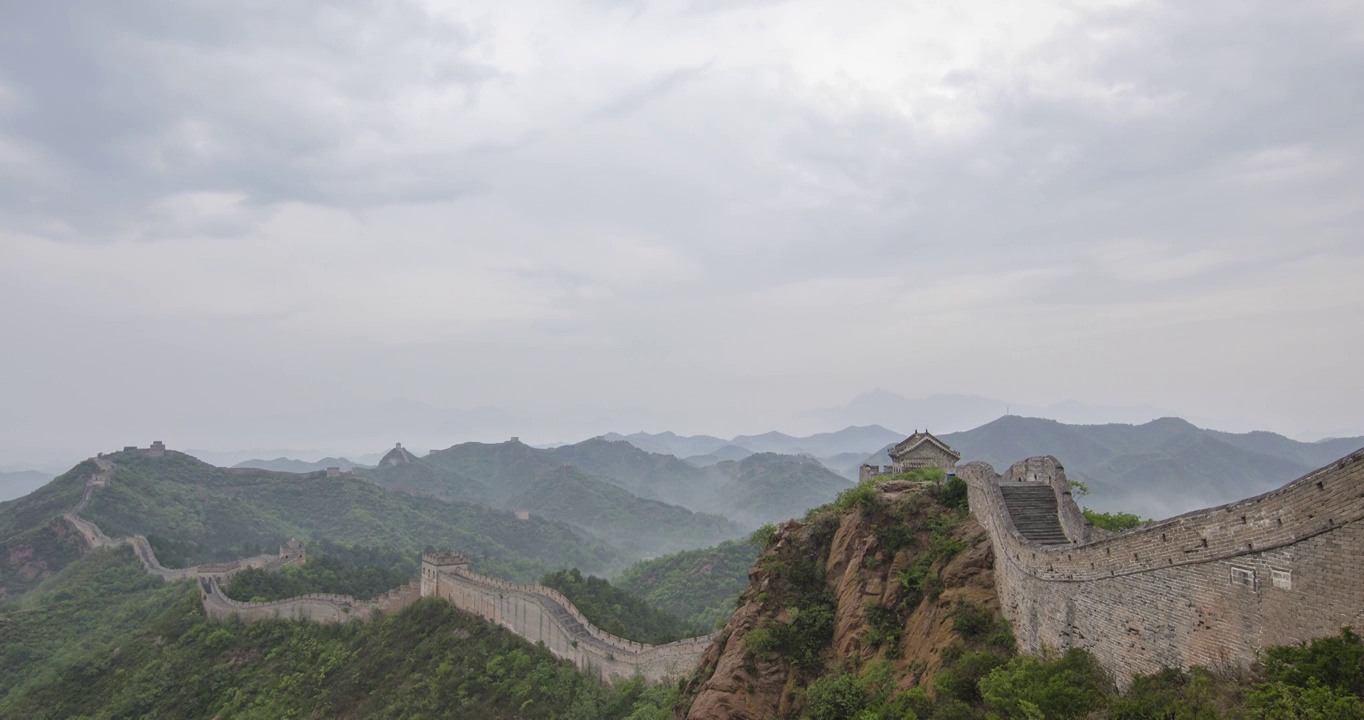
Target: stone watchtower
x=293, y=552
x=440, y=561
x=397, y=456
x=919, y=450
x=158, y=449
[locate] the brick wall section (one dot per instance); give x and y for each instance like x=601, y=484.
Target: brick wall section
x=316, y=607
x=543, y=615
x=1212, y=587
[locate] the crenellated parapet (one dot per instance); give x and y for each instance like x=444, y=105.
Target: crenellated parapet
x=1212, y=587
x=544, y=615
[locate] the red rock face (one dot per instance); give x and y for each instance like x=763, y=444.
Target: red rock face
x=733, y=683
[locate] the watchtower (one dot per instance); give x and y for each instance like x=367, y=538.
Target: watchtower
x=435, y=563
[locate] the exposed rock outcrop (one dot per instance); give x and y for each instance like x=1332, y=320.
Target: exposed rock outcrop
x=862, y=577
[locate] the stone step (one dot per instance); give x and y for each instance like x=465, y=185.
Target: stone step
x=1033, y=509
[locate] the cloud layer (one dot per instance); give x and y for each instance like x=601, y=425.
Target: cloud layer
x=724, y=212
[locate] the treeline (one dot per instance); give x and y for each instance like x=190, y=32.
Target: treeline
x=360, y=571
x=617, y=611
x=1321, y=680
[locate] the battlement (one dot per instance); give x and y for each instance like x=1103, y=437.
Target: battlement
x=543, y=614
x=1210, y=587
x=445, y=558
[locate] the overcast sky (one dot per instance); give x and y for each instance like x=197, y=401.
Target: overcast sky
x=701, y=215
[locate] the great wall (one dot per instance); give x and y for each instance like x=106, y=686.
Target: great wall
x=1211, y=587
x=536, y=613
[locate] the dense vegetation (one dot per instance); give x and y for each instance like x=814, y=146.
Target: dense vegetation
x=617, y=611
x=34, y=540
x=613, y=514
x=193, y=512
x=696, y=585
x=1116, y=521
x=107, y=640
x=361, y=572
x=1322, y=680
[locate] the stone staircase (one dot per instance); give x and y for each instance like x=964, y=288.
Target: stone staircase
x=1033, y=509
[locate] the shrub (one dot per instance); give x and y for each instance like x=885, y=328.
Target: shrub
x=1070, y=686
x=962, y=680
x=951, y=494
x=836, y=697
x=1281, y=701
x=763, y=536
x=1115, y=522
x=1335, y=662
x=971, y=621
x=862, y=495
x=1170, y=694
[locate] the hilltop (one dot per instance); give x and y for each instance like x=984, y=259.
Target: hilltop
x=193, y=512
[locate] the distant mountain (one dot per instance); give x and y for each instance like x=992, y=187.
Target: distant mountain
x=768, y=487
x=1157, y=469
x=728, y=452
x=646, y=474
x=854, y=439
x=849, y=439
x=284, y=464
x=670, y=443
x=752, y=491
x=948, y=413
x=614, y=514
x=611, y=490
x=21, y=482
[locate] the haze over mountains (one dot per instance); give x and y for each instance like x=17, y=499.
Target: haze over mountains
x=350, y=433
x=21, y=482
x=1157, y=469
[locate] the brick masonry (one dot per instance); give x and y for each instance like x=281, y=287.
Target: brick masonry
x=542, y=615
x=1212, y=587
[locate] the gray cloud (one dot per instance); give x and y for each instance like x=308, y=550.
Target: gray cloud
x=726, y=217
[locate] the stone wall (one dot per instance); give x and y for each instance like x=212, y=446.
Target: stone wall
x=316, y=607
x=1212, y=587
x=543, y=615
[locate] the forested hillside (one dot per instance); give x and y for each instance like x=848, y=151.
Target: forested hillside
x=106, y=640
x=193, y=512
x=614, y=515
x=767, y=487
x=34, y=540
x=697, y=585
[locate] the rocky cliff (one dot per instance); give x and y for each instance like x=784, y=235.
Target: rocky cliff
x=885, y=574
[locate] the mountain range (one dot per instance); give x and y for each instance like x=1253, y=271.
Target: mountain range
x=21, y=482
x=616, y=491
x=284, y=464
x=859, y=440
x=1156, y=469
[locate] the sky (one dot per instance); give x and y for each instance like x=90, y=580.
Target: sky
x=320, y=224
